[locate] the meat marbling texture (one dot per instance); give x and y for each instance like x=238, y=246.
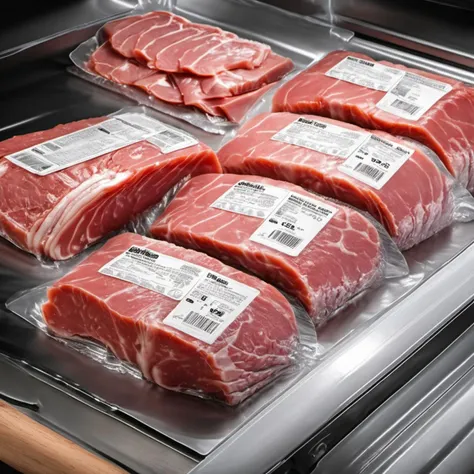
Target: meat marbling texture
x=60, y=214
x=171, y=43
x=107, y=63
x=413, y=205
x=128, y=319
x=447, y=127
x=342, y=260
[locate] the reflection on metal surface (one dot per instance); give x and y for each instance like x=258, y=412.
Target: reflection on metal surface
x=422, y=428
x=44, y=20
x=114, y=439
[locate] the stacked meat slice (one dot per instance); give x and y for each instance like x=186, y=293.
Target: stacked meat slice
x=180, y=62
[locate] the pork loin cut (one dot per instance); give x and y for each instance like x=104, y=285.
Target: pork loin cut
x=414, y=204
x=343, y=259
x=59, y=214
x=447, y=127
x=232, y=83
x=128, y=319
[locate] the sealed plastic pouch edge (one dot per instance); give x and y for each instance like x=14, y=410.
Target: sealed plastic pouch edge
x=28, y=305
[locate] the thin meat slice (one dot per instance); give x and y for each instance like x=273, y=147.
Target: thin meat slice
x=128, y=319
x=162, y=87
x=229, y=53
x=59, y=214
x=168, y=59
x=447, y=127
x=112, y=27
x=233, y=108
x=161, y=48
x=152, y=39
x=111, y=65
x=342, y=260
x=413, y=205
x=124, y=40
x=232, y=83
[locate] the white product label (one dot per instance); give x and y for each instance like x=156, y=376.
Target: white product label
x=251, y=199
x=91, y=142
x=413, y=96
x=322, y=137
x=294, y=224
x=169, y=276
x=376, y=161
x=211, y=306
x=366, y=73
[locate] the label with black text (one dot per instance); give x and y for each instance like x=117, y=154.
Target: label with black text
x=293, y=224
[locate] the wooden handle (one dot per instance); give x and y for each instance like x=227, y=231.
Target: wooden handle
x=31, y=448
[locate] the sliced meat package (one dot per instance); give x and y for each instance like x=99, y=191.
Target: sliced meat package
x=189, y=322
x=432, y=109
x=399, y=182
x=198, y=67
x=315, y=249
x=63, y=189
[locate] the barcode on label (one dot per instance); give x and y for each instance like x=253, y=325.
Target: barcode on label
x=405, y=106
x=370, y=171
x=284, y=238
x=201, y=322
x=51, y=146
x=32, y=162
x=171, y=137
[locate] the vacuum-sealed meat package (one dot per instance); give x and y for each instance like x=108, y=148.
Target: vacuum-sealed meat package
x=399, y=182
x=432, y=109
x=196, y=72
x=315, y=249
x=63, y=189
x=188, y=322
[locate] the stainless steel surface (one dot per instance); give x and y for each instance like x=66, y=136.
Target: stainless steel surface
x=435, y=28
x=428, y=426
x=91, y=427
x=39, y=22
x=391, y=323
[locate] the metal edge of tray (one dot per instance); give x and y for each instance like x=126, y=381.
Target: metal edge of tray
x=111, y=438
x=346, y=373
x=421, y=426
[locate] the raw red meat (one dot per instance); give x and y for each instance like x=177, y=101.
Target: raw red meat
x=113, y=26
x=123, y=40
x=229, y=53
x=233, y=108
x=161, y=86
x=60, y=214
x=128, y=319
x=231, y=83
x=162, y=51
x=342, y=260
x=413, y=205
x=111, y=65
x=447, y=127
x=171, y=43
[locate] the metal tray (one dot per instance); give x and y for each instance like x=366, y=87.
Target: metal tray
x=364, y=343
x=425, y=427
